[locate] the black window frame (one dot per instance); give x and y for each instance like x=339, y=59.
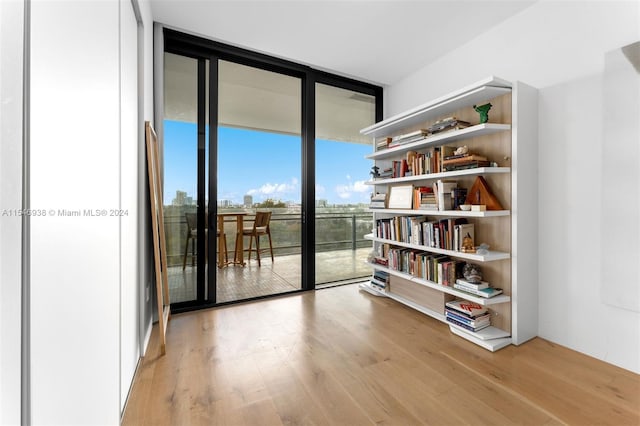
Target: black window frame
x=200, y=48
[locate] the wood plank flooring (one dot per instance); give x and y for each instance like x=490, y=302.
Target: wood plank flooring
x=341, y=357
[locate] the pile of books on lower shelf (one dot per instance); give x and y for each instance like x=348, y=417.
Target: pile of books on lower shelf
x=482, y=289
x=380, y=280
x=468, y=315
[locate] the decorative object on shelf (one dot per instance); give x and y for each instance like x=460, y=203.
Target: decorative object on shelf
x=480, y=194
x=400, y=197
x=482, y=249
x=472, y=273
x=478, y=208
x=459, y=196
x=375, y=172
x=483, y=110
x=467, y=244
x=465, y=207
x=461, y=150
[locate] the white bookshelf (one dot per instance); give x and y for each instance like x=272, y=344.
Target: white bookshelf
x=509, y=139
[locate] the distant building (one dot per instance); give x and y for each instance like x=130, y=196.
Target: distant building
x=224, y=203
x=180, y=199
x=248, y=200
x=321, y=203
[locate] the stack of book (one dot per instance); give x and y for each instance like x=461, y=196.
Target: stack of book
x=378, y=201
x=447, y=124
x=382, y=143
x=379, y=280
x=408, y=138
x=424, y=198
x=482, y=289
x=464, y=161
x=467, y=315
x=386, y=173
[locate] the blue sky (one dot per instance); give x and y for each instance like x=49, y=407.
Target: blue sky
x=265, y=165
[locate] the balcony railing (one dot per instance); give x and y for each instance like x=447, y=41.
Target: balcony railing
x=334, y=231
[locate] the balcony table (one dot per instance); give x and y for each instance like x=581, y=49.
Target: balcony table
x=238, y=258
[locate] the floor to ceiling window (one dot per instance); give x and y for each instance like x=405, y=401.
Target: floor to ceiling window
x=283, y=147
x=259, y=166
x=342, y=198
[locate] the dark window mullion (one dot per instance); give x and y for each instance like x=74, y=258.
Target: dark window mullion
x=201, y=176
x=213, y=176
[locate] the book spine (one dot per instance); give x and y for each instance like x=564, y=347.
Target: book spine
x=470, y=290
x=465, y=326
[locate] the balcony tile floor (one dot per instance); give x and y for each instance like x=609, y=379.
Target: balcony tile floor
x=280, y=276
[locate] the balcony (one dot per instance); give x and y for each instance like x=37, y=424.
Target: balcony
x=340, y=255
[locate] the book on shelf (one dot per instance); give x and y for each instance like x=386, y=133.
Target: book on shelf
x=482, y=321
x=466, y=166
x=424, y=198
x=474, y=286
x=378, y=201
x=459, y=196
x=447, y=124
x=463, y=158
x=483, y=292
x=382, y=143
x=380, y=279
x=465, y=307
x=461, y=230
x=466, y=326
x=444, y=188
x=445, y=150
x=408, y=138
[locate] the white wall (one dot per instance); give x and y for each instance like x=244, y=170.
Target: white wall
x=560, y=48
x=90, y=319
x=128, y=203
x=75, y=165
x=11, y=79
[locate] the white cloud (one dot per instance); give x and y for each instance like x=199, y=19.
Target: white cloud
x=275, y=190
x=346, y=191
x=360, y=186
x=320, y=190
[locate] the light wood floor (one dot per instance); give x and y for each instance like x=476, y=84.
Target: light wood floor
x=340, y=357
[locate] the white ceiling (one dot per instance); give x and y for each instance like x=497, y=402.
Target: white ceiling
x=376, y=41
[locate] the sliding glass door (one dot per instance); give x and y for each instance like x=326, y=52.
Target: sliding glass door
x=258, y=169
x=180, y=170
x=261, y=156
